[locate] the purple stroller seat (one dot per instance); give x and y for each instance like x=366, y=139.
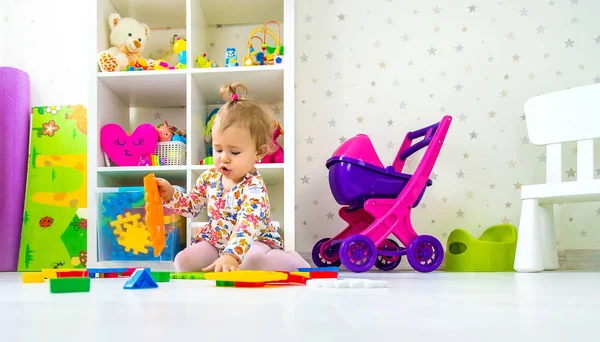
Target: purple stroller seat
x=356, y=174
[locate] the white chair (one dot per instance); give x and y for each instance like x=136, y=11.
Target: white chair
x=552, y=119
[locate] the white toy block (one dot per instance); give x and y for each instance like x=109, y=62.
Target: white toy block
x=346, y=283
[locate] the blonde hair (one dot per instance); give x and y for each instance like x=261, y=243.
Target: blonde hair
x=246, y=113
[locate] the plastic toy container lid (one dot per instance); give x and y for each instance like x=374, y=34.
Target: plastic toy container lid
x=130, y=189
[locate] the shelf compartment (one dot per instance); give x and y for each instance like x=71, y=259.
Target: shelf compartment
x=163, y=18
x=154, y=88
x=240, y=12
x=160, y=103
x=264, y=83
x=218, y=25
x=154, y=13
x=134, y=175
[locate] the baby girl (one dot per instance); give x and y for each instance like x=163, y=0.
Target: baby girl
x=239, y=233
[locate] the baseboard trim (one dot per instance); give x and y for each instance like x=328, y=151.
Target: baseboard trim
x=570, y=259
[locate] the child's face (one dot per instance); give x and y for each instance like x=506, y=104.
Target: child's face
x=234, y=152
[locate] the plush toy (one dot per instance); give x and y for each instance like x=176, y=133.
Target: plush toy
x=125, y=149
x=210, y=119
x=231, y=58
x=170, y=133
x=128, y=38
x=164, y=132
x=277, y=155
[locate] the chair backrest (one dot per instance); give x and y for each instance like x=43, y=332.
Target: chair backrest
x=565, y=116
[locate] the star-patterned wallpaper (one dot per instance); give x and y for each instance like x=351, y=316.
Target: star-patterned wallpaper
x=385, y=67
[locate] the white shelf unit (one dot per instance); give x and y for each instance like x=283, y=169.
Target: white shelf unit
x=184, y=97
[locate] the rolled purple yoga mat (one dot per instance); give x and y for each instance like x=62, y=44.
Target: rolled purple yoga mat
x=15, y=110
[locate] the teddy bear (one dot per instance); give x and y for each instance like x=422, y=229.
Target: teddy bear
x=128, y=38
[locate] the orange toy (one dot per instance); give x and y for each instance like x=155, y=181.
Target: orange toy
x=155, y=222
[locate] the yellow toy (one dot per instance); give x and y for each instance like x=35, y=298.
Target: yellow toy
x=247, y=276
x=203, y=62
x=33, y=277
x=161, y=64
x=180, y=48
x=264, y=56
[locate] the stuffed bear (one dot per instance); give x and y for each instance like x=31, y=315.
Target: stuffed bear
x=128, y=38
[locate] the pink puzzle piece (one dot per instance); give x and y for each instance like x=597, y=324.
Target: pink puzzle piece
x=124, y=149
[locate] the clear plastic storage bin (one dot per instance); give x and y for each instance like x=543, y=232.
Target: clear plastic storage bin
x=122, y=234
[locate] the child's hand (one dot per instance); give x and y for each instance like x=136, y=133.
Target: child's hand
x=165, y=189
x=225, y=263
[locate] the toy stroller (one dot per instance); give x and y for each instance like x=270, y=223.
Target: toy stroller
x=377, y=201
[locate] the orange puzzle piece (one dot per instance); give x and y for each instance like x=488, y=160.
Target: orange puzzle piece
x=155, y=221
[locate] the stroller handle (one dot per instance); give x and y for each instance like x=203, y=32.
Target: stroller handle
x=428, y=132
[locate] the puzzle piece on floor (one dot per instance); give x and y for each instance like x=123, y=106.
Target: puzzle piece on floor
x=188, y=275
x=247, y=276
x=33, y=277
x=140, y=279
x=71, y=274
x=128, y=273
x=323, y=275
x=346, y=283
x=320, y=269
x=50, y=273
x=222, y=283
x=161, y=277
x=64, y=285
x=103, y=272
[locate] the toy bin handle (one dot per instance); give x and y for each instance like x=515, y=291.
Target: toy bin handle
x=427, y=132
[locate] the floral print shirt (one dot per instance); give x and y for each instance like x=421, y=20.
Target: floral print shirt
x=236, y=217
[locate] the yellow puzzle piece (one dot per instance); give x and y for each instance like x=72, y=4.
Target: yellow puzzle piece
x=247, y=276
x=33, y=277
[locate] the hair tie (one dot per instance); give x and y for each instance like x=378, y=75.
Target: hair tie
x=234, y=97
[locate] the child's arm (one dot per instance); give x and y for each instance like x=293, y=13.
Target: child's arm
x=190, y=205
x=255, y=206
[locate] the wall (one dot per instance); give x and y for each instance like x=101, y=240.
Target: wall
x=385, y=67
x=48, y=40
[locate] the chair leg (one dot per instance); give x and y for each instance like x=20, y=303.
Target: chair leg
x=528, y=257
x=549, y=252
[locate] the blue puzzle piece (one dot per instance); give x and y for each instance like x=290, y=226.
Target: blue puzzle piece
x=140, y=279
x=320, y=269
x=116, y=205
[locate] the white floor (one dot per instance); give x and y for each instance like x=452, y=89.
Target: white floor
x=551, y=306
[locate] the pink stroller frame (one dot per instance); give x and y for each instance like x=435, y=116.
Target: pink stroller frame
x=377, y=201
